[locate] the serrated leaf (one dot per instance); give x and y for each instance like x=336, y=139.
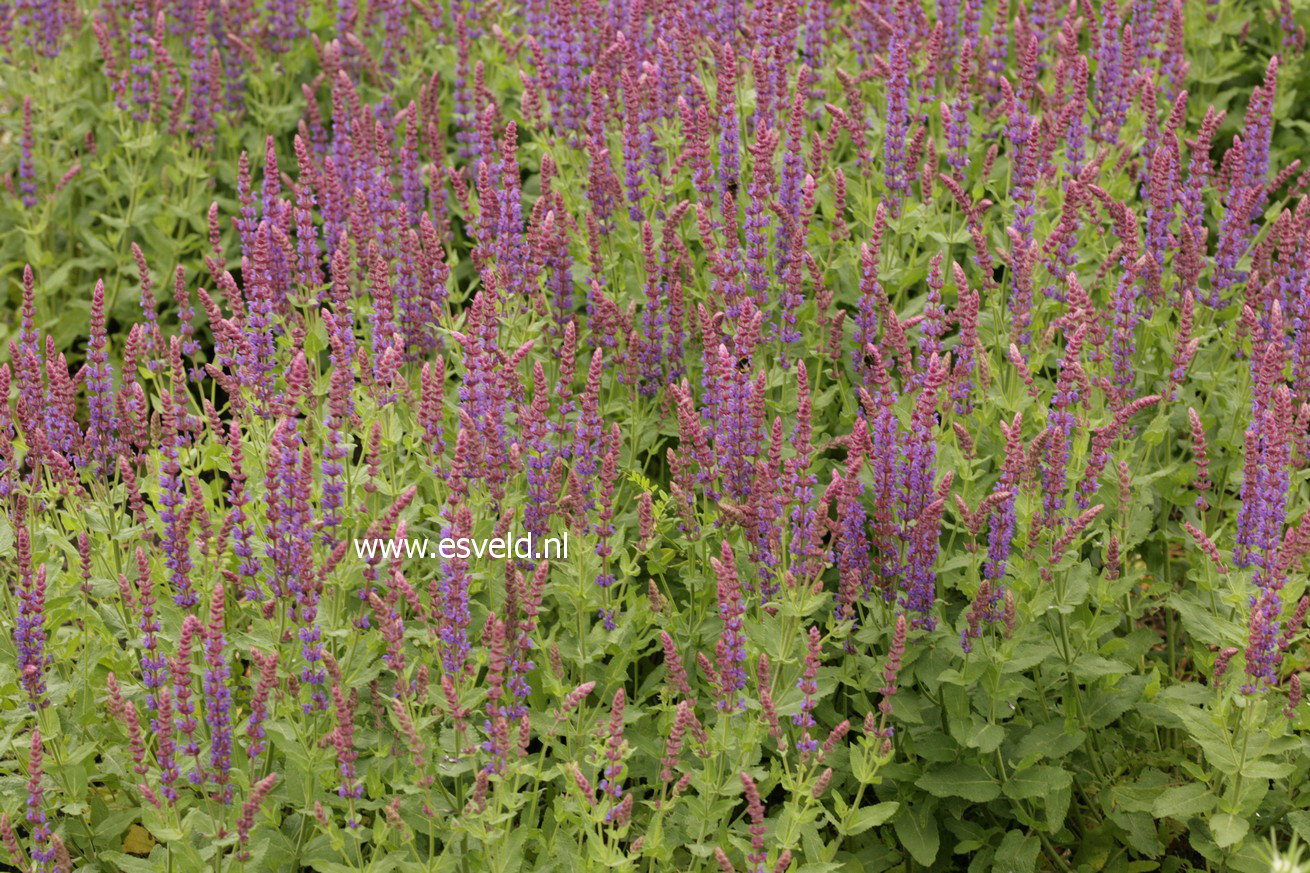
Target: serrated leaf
x=1184, y=802
x=1201, y=624
x=1266, y=769
x=1027, y=657
x=323, y=865
x=127, y=863
x=115, y=823
x=871, y=816
x=1228, y=829
x=1088, y=666
x=1140, y=832
x=1201, y=727
x=861, y=768
x=1051, y=740
x=916, y=829
x=960, y=780
x=955, y=700
x=986, y=737
x=1154, y=433
x=1300, y=822
x=159, y=827
x=1141, y=795
x=1018, y=852
x=1037, y=782
x=1075, y=589
x=1057, y=807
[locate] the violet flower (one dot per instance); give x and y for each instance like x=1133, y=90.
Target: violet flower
x=655, y=319
x=258, y=792
x=336, y=451
x=756, y=225
x=285, y=24
x=955, y=116
x=730, y=651
x=755, y=809
x=1263, y=656
x=43, y=853
x=872, y=295
x=496, y=724
x=452, y=601
x=729, y=168
x=343, y=738
x=805, y=528
x=539, y=455
x=60, y=405
x=152, y=659
x=218, y=698
x=166, y=746
x=1111, y=74
x=920, y=506
x=897, y=124
x=851, y=548
x=1059, y=429
x=29, y=628
x=139, y=38
x=204, y=88
x=180, y=670
x=308, y=270
x=808, y=685
x=257, y=359
x=1264, y=489
x=176, y=524
x=611, y=782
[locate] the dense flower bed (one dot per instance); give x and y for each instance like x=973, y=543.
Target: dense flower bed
x=923, y=389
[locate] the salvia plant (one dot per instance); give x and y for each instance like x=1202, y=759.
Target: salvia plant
x=917, y=396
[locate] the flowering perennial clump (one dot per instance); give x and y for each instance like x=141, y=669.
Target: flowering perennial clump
x=921, y=392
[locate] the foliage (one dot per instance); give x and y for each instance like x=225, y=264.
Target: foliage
x=924, y=394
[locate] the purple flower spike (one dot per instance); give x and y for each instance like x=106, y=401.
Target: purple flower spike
x=730, y=650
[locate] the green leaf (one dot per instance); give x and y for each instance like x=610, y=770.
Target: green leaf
x=1266, y=769
x=1202, y=625
x=1212, y=739
x=1057, y=807
x=985, y=737
x=916, y=828
x=1141, y=795
x=1184, y=802
x=1300, y=822
x=323, y=865
x=160, y=828
x=1154, y=434
x=1037, y=782
x=1228, y=829
x=960, y=780
x=1075, y=591
x=128, y=863
x=1104, y=707
x=969, y=836
x=185, y=856
x=1054, y=739
x=861, y=769
x=115, y=823
x=1026, y=657
x=1139, y=832
x=1018, y=852
x=955, y=700
x=871, y=816
x=1088, y=666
